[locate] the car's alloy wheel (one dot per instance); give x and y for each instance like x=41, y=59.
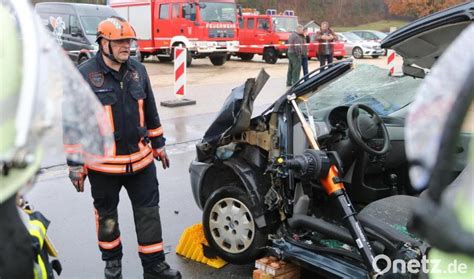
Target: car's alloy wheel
x=357, y=53
x=229, y=226
x=232, y=225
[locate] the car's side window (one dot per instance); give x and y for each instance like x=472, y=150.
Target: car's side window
x=189, y=12
x=164, y=11
x=250, y=23
x=175, y=11
x=263, y=24
x=73, y=25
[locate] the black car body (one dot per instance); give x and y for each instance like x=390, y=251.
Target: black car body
x=75, y=27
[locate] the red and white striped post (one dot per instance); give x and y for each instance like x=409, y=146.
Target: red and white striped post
x=391, y=62
x=180, y=57
x=180, y=72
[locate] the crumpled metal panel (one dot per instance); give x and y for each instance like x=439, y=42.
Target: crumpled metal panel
x=234, y=116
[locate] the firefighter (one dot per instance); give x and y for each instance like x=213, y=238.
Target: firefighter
x=123, y=87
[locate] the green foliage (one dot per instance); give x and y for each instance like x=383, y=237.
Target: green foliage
x=337, y=12
x=382, y=25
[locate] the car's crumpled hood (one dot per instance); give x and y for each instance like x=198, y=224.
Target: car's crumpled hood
x=234, y=116
x=421, y=42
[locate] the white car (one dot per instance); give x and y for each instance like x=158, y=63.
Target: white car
x=358, y=47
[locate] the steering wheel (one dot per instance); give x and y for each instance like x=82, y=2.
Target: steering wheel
x=363, y=129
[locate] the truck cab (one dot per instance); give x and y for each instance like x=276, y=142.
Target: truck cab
x=265, y=35
x=205, y=28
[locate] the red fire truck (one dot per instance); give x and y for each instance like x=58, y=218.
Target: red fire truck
x=266, y=35
x=205, y=28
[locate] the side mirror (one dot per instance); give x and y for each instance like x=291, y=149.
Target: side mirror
x=76, y=32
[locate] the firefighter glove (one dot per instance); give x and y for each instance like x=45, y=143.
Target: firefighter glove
x=78, y=174
x=160, y=154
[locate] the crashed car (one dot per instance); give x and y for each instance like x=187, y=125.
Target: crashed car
x=321, y=176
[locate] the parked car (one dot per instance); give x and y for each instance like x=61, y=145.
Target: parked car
x=339, y=50
x=271, y=181
x=358, y=47
x=370, y=35
x=75, y=27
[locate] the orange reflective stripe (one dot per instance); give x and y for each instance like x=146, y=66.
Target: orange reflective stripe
x=155, y=132
x=109, y=245
x=122, y=159
x=96, y=221
x=148, y=249
x=72, y=148
x=110, y=116
x=122, y=168
x=142, y=114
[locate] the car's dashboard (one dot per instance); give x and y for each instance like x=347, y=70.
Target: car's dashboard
x=332, y=132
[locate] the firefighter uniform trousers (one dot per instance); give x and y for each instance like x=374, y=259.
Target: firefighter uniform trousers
x=142, y=188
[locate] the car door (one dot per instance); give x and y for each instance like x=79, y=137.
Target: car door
x=163, y=28
x=246, y=35
x=263, y=33
x=77, y=40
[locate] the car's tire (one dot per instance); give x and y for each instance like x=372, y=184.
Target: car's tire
x=230, y=227
x=357, y=53
x=218, y=60
x=339, y=57
x=165, y=58
x=246, y=56
x=270, y=55
x=375, y=56
x=82, y=59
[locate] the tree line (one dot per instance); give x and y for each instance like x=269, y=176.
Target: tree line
x=353, y=12
x=338, y=12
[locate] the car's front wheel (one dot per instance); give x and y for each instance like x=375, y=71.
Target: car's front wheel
x=357, y=53
x=230, y=228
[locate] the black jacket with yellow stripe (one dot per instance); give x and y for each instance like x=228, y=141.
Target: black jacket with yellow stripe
x=131, y=111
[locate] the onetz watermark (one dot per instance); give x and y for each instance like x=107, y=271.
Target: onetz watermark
x=414, y=266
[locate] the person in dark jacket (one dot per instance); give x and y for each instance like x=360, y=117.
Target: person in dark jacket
x=326, y=38
x=295, y=51
x=304, y=55
x=123, y=87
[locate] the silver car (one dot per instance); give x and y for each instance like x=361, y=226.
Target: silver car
x=358, y=47
x=370, y=35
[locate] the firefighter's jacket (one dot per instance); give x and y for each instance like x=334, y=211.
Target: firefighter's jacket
x=130, y=108
x=42, y=247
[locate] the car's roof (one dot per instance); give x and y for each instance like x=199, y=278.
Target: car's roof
x=79, y=8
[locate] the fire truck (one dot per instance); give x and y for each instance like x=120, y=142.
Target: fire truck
x=265, y=35
x=205, y=28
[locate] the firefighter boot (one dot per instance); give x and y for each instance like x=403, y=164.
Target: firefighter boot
x=113, y=269
x=161, y=270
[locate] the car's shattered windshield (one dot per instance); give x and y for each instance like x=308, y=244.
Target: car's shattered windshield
x=366, y=84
